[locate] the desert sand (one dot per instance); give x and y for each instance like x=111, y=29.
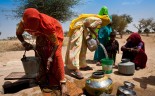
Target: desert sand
x=143, y=79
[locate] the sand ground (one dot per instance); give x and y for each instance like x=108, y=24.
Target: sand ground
x=144, y=79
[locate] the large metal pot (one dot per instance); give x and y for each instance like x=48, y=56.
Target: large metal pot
x=98, y=83
x=126, y=90
x=126, y=67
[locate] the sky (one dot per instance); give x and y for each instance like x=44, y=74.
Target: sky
x=137, y=9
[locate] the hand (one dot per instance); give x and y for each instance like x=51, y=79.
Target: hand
x=49, y=63
x=64, y=91
x=134, y=49
x=48, y=66
x=131, y=49
x=27, y=46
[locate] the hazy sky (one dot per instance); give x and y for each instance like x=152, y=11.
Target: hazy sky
x=135, y=8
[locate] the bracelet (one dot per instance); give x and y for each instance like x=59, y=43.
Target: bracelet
x=62, y=82
x=49, y=59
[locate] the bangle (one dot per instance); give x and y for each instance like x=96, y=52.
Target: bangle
x=62, y=82
x=50, y=59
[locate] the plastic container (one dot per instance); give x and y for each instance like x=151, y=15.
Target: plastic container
x=107, y=65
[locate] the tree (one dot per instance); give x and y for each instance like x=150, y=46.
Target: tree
x=146, y=30
x=139, y=27
x=128, y=18
x=59, y=9
x=120, y=22
x=152, y=26
x=128, y=31
x=145, y=25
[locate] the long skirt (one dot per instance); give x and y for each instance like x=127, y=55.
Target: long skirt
x=76, y=50
x=56, y=71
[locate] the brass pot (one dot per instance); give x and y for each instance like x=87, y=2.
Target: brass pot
x=98, y=83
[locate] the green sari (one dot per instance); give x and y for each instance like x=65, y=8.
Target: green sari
x=103, y=36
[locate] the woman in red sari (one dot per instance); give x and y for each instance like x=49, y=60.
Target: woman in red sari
x=134, y=50
x=49, y=38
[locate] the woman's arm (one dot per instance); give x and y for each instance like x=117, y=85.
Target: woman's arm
x=92, y=25
x=124, y=48
x=20, y=31
x=55, y=43
x=137, y=48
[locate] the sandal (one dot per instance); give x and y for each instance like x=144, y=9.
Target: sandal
x=98, y=64
x=78, y=75
x=86, y=68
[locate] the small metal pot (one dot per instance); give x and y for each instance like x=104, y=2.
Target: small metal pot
x=126, y=90
x=91, y=44
x=129, y=85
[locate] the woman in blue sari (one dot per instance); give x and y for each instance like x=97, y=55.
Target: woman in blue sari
x=103, y=36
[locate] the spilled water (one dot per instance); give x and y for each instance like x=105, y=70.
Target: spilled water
x=105, y=51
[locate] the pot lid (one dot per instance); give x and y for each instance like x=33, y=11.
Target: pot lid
x=126, y=63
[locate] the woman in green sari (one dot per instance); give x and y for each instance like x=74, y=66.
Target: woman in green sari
x=103, y=36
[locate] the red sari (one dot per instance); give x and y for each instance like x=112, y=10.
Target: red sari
x=49, y=34
x=140, y=57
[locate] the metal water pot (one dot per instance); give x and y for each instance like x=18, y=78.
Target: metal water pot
x=126, y=67
x=126, y=90
x=98, y=83
x=91, y=43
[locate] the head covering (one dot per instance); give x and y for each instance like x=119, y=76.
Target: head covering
x=30, y=13
x=103, y=11
x=135, y=38
x=105, y=20
x=31, y=18
x=47, y=25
